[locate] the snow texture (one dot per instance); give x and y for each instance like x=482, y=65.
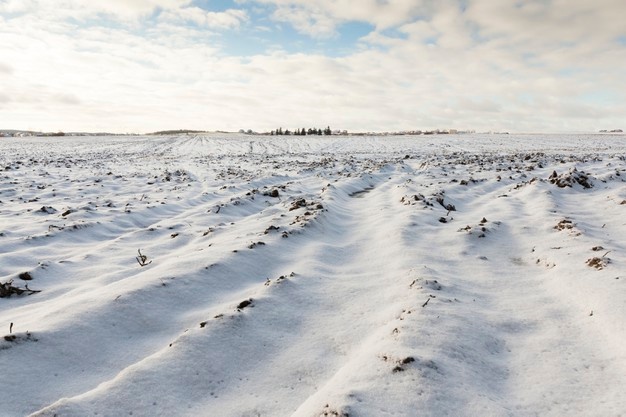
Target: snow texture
x=231, y=275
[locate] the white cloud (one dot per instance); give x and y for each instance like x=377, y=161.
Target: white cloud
x=228, y=19
x=126, y=8
x=134, y=6
x=17, y=6
x=5, y=68
x=4, y=99
x=494, y=66
x=558, y=21
x=309, y=22
x=382, y=14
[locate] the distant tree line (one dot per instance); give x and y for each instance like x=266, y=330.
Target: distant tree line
x=301, y=132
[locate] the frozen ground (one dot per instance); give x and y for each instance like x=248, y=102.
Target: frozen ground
x=313, y=276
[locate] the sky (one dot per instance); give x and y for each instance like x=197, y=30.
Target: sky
x=369, y=65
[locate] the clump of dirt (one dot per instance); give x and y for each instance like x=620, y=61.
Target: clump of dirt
x=301, y=202
x=598, y=263
x=7, y=289
x=312, y=211
x=525, y=183
x=468, y=182
x=25, y=276
x=332, y=412
x=410, y=200
x=12, y=339
x=570, y=178
x=400, y=363
x=271, y=228
x=564, y=224
x=481, y=228
x=244, y=304
x=47, y=210
x=449, y=207
x=179, y=175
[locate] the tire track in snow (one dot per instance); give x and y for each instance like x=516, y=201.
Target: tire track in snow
x=343, y=256
x=328, y=339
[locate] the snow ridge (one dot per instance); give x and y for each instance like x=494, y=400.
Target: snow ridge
x=314, y=276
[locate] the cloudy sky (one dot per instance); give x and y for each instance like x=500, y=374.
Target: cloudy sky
x=361, y=65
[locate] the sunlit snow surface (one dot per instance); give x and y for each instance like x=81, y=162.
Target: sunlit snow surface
x=458, y=275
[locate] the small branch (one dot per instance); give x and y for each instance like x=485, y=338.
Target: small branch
x=142, y=259
x=7, y=289
x=30, y=291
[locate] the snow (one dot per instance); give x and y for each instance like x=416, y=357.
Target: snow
x=434, y=276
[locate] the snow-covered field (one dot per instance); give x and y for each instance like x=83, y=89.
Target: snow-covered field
x=313, y=276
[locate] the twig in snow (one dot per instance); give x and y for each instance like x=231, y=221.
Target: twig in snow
x=142, y=259
x=7, y=289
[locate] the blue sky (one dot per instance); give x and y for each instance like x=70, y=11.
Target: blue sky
x=146, y=65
